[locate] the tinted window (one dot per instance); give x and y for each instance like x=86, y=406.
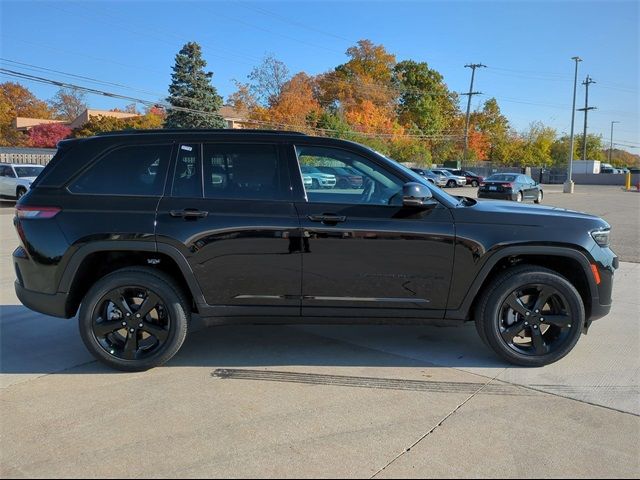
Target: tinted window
x=28, y=171
x=187, y=175
x=133, y=170
x=5, y=171
x=372, y=185
x=242, y=171
x=500, y=177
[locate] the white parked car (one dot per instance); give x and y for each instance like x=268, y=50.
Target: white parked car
x=452, y=180
x=318, y=179
x=16, y=179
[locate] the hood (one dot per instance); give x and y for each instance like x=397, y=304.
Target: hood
x=504, y=212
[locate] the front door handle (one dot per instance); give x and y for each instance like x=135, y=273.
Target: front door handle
x=327, y=218
x=189, y=213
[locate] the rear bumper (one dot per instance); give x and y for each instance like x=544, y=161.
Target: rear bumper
x=54, y=305
x=497, y=195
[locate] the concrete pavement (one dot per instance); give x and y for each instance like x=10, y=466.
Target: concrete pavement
x=302, y=401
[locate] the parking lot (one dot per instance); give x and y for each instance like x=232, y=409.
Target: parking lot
x=329, y=401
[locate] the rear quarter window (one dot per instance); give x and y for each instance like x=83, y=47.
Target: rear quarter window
x=129, y=170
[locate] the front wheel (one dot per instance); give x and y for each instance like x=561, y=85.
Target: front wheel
x=539, y=197
x=451, y=183
x=530, y=316
x=20, y=193
x=474, y=183
x=134, y=319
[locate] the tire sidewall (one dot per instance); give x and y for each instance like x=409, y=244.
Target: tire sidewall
x=490, y=316
x=171, y=300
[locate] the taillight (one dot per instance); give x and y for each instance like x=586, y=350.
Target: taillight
x=482, y=184
x=23, y=211
x=507, y=185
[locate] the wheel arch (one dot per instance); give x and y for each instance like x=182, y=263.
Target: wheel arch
x=572, y=264
x=98, y=259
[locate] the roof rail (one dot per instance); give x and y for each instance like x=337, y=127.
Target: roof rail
x=201, y=130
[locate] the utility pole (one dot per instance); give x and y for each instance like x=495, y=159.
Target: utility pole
x=611, y=145
x=586, y=109
x=471, y=93
x=568, y=185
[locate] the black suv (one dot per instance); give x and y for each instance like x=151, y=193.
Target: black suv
x=136, y=232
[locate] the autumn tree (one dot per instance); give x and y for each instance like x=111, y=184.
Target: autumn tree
x=18, y=101
x=537, y=146
x=295, y=102
x=191, y=89
x=495, y=127
x=48, y=135
x=68, y=103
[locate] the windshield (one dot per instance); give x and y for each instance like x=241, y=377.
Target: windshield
x=307, y=169
x=501, y=177
x=446, y=173
x=30, y=171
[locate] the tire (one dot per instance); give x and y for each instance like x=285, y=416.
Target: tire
x=315, y=184
x=539, y=197
x=474, y=183
x=343, y=184
x=20, y=191
x=552, y=333
x=519, y=197
x=451, y=183
x=170, y=325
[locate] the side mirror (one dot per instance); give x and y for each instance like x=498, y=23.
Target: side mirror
x=416, y=195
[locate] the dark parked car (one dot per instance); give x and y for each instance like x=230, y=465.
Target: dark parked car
x=511, y=186
x=136, y=232
x=345, y=178
x=472, y=179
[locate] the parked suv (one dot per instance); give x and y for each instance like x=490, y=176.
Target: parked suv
x=16, y=178
x=136, y=232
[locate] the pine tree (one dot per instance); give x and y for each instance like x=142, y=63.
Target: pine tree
x=191, y=88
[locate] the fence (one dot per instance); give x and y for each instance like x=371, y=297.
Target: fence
x=39, y=156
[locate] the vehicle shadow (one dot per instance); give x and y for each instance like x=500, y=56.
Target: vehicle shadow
x=35, y=344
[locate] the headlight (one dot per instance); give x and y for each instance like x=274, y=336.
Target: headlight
x=601, y=237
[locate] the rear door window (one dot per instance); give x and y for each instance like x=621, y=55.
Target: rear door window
x=233, y=171
x=131, y=170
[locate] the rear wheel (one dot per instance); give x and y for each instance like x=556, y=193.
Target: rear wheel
x=519, y=197
x=134, y=319
x=530, y=316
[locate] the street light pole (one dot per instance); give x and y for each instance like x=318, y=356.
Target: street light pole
x=611, y=145
x=568, y=185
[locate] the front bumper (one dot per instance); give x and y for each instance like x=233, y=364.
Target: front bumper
x=54, y=305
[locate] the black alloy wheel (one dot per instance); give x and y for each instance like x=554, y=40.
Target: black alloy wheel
x=315, y=184
x=474, y=183
x=20, y=193
x=451, y=183
x=134, y=319
x=530, y=315
x=131, y=322
x=534, y=320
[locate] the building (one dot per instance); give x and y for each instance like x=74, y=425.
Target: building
x=233, y=118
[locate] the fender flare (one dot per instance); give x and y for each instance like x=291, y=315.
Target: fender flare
x=131, y=246
x=501, y=254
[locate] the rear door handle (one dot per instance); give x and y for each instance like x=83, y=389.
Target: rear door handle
x=327, y=218
x=189, y=213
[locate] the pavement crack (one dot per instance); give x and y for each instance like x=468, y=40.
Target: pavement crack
x=435, y=427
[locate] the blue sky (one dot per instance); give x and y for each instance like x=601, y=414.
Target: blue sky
x=527, y=46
